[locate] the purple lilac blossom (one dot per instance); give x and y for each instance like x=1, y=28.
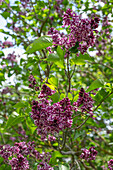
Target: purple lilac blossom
x=48, y=118
x=19, y=163
x=11, y=57
x=81, y=30
x=45, y=92
x=6, y=90
x=110, y=164
x=89, y=154
x=44, y=166
x=16, y=155
x=86, y=101
x=7, y=44
x=33, y=83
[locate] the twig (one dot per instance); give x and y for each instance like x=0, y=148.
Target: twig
x=103, y=100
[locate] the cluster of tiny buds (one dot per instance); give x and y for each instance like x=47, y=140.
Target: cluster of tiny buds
x=89, y=154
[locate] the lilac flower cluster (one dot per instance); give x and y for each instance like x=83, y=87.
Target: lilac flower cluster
x=89, y=154
x=20, y=162
x=11, y=58
x=81, y=31
x=33, y=82
x=45, y=92
x=110, y=164
x=104, y=168
x=6, y=90
x=18, y=153
x=48, y=118
x=6, y=44
x=22, y=133
x=86, y=101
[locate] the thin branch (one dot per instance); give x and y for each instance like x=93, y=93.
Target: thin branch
x=43, y=23
x=73, y=71
x=103, y=101
x=103, y=65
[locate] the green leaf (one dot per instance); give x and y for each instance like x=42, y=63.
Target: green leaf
x=100, y=95
x=20, y=105
x=6, y=14
x=96, y=84
x=60, y=52
x=74, y=48
x=5, y=167
x=53, y=57
x=60, y=64
x=53, y=81
x=55, y=154
x=39, y=44
x=1, y=53
x=85, y=57
x=14, y=119
x=65, y=2
x=81, y=59
x=1, y=160
x=78, y=134
x=55, y=97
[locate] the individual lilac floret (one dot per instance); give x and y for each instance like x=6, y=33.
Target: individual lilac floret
x=86, y=101
x=20, y=162
x=89, y=154
x=110, y=164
